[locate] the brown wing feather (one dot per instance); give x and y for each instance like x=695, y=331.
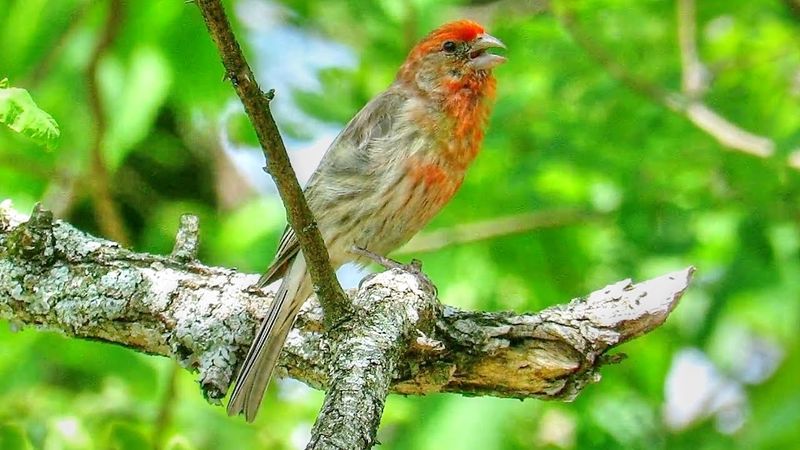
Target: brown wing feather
x=344, y=159
x=287, y=249
x=346, y=171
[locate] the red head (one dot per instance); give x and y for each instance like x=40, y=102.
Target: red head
x=452, y=57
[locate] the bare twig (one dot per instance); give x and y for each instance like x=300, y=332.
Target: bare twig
x=256, y=105
x=187, y=241
x=794, y=7
x=728, y=134
x=489, y=229
x=692, y=70
x=693, y=85
x=106, y=213
x=57, y=47
x=588, y=44
x=165, y=408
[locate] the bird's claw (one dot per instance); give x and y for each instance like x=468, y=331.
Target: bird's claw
x=414, y=267
x=387, y=263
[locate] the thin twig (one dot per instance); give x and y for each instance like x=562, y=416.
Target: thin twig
x=489, y=229
x=794, y=7
x=106, y=213
x=164, y=415
x=256, y=105
x=187, y=240
x=57, y=47
x=728, y=134
x=692, y=71
x=589, y=45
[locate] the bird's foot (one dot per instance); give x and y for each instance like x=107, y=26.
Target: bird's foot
x=387, y=263
x=414, y=267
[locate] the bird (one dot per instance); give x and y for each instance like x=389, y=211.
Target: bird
x=398, y=161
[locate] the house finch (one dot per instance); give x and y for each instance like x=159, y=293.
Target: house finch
x=392, y=168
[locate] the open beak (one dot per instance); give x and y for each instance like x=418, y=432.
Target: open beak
x=479, y=57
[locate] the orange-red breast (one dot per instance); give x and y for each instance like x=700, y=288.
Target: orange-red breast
x=392, y=168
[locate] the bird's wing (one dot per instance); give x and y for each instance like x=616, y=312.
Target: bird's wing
x=287, y=248
x=347, y=155
x=351, y=153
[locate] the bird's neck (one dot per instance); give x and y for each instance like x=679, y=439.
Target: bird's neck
x=454, y=114
x=466, y=107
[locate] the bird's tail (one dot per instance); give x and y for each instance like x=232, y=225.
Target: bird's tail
x=262, y=357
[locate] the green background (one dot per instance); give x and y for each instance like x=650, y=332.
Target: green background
x=578, y=125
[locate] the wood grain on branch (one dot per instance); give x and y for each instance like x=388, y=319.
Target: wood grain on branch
x=390, y=311
x=59, y=278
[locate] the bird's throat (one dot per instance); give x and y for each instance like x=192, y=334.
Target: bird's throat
x=467, y=110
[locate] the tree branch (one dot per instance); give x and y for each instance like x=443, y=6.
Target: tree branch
x=256, y=105
x=692, y=71
x=367, y=351
x=56, y=277
x=106, y=211
x=56, y=48
x=488, y=229
x=728, y=134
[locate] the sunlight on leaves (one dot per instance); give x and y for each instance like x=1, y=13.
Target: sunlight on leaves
x=20, y=113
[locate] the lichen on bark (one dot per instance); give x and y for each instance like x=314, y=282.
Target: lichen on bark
x=398, y=338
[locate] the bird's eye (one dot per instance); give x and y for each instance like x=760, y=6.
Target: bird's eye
x=449, y=46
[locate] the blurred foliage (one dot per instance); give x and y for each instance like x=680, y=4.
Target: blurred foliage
x=661, y=194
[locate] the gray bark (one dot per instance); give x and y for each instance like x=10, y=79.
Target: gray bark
x=366, y=350
x=398, y=338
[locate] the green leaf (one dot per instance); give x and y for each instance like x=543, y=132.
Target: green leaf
x=21, y=114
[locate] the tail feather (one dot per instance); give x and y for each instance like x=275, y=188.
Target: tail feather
x=256, y=371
